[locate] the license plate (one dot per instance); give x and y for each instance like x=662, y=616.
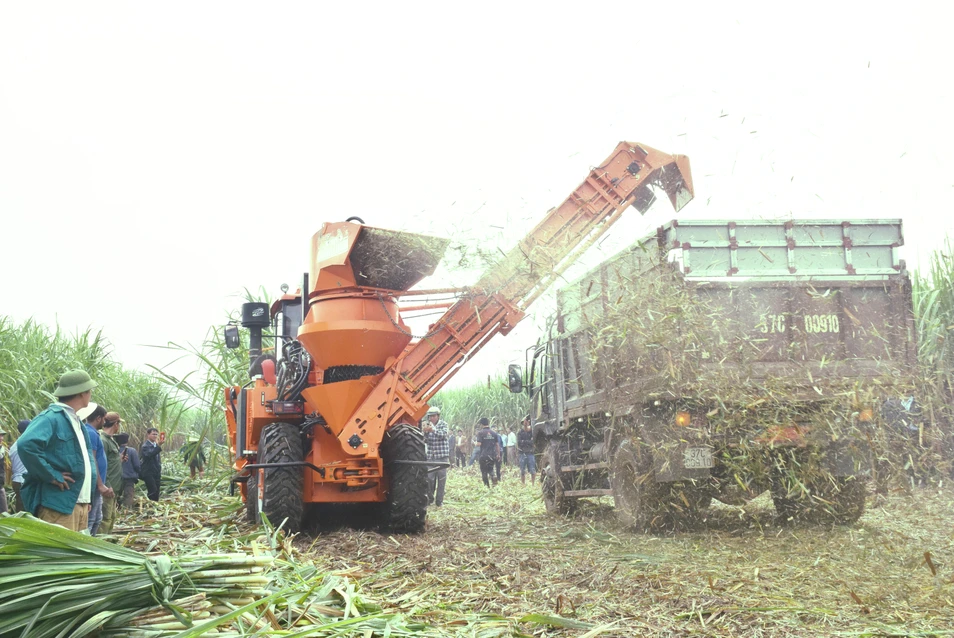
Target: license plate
x=697, y=458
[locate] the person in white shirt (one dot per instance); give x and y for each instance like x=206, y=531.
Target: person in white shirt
x=17, y=469
x=510, y=452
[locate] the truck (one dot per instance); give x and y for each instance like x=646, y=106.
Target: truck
x=723, y=359
x=330, y=413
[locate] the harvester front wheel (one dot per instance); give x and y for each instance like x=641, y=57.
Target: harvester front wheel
x=405, y=510
x=283, y=497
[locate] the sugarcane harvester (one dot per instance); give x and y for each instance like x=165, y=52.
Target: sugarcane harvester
x=331, y=414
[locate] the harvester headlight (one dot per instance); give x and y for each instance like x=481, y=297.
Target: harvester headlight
x=683, y=419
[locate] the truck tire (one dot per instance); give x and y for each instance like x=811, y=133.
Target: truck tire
x=840, y=502
x=405, y=510
x=633, y=488
x=551, y=484
x=283, y=498
x=251, y=497
x=806, y=493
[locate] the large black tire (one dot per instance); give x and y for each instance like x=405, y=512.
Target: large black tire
x=251, y=497
x=405, y=510
x=827, y=500
x=643, y=504
x=634, y=488
x=283, y=500
x=802, y=491
x=552, y=486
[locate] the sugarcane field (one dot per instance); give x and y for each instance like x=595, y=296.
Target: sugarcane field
x=475, y=321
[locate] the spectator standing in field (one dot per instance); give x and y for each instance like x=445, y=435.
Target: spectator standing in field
x=511, y=453
x=460, y=455
x=435, y=435
x=56, y=451
x=193, y=455
x=500, y=453
x=94, y=415
x=528, y=462
x=114, y=470
x=488, y=450
x=4, y=509
x=151, y=462
x=451, y=447
x=131, y=468
x=476, y=451
x=18, y=471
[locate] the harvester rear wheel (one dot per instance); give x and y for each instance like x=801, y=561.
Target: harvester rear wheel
x=283, y=498
x=405, y=510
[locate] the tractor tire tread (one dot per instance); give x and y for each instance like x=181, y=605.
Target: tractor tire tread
x=405, y=510
x=284, y=486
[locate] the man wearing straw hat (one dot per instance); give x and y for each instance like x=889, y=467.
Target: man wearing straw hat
x=56, y=451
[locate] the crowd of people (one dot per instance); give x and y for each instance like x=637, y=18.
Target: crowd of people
x=491, y=450
x=71, y=465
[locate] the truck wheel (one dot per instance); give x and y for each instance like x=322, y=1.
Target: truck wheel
x=847, y=499
x=840, y=503
x=812, y=494
x=633, y=486
x=251, y=497
x=283, y=498
x=551, y=484
x=405, y=510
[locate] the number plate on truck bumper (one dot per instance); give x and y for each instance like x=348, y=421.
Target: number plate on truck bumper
x=697, y=458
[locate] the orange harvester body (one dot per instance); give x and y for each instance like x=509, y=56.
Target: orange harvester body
x=366, y=374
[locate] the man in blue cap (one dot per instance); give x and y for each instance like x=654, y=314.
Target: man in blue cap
x=56, y=451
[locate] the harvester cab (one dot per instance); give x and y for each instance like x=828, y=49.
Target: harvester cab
x=331, y=415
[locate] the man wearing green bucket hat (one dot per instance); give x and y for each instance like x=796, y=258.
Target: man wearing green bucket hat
x=56, y=451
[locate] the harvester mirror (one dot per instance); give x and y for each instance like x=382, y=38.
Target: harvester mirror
x=515, y=378
x=232, y=337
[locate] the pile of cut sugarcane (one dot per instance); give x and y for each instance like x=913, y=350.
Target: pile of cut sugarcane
x=54, y=582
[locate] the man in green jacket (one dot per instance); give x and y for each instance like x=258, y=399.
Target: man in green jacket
x=114, y=470
x=56, y=451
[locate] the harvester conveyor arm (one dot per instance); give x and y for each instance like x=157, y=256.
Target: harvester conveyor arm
x=501, y=297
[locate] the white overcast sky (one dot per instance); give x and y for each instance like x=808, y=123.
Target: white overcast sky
x=157, y=158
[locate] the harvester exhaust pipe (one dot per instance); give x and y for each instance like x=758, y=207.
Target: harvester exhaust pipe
x=255, y=318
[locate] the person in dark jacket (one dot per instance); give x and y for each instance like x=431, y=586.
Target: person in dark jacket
x=528, y=462
x=59, y=460
x=488, y=446
x=114, y=470
x=131, y=469
x=149, y=454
